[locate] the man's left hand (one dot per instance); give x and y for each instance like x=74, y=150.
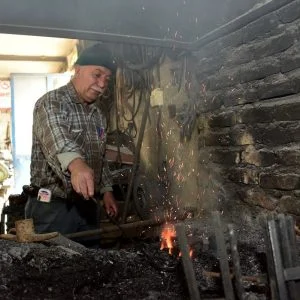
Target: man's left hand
x=110, y=204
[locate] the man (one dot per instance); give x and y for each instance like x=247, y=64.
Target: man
x=67, y=159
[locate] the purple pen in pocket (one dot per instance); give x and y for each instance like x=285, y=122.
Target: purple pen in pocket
x=100, y=132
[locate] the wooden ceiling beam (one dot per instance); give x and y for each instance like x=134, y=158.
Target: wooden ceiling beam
x=60, y=59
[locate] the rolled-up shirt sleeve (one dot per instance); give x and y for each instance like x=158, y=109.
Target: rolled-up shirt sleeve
x=66, y=158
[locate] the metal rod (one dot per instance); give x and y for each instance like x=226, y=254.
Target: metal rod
x=91, y=35
x=113, y=228
x=283, y=295
x=223, y=259
x=270, y=263
x=136, y=158
x=287, y=252
x=187, y=263
x=292, y=237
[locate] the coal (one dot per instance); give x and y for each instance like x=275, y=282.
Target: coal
x=63, y=269
x=140, y=270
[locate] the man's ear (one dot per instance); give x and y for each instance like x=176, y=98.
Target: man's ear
x=76, y=70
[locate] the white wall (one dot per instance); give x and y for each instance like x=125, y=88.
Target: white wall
x=26, y=90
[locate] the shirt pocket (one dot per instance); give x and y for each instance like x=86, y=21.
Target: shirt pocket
x=101, y=133
x=79, y=137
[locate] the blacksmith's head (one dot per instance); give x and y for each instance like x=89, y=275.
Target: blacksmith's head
x=93, y=71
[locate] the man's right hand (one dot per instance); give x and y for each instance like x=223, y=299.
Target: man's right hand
x=82, y=178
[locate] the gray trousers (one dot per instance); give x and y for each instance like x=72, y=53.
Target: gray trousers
x=55, y=216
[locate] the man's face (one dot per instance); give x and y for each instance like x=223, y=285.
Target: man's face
x=91, y=82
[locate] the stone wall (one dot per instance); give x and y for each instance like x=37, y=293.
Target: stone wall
x=249, y=115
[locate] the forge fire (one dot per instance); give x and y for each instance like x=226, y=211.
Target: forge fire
x=169, y=241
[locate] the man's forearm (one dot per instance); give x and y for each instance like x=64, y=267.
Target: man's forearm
x=67, y=158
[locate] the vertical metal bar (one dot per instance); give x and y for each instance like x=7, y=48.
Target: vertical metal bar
x=236, y=263
x=222, y=254
x=285, y=246
x=270, y=263
x=286, y=253
x=292, y=238
x=283, y=295
x=187, y=263
x=136, y=157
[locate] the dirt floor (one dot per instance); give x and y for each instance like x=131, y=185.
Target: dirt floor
x=62, y=269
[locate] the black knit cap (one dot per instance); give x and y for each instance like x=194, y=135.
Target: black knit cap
x=97, y=55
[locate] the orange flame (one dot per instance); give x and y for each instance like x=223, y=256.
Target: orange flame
x=168, y=236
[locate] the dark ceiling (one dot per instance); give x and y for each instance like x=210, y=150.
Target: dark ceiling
x=181, y=20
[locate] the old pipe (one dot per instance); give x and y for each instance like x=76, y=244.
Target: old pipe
x=91, y=35
x=219, y=32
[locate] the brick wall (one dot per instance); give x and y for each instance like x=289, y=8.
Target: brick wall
x=249, y=125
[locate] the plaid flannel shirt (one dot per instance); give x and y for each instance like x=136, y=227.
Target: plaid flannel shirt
x=63, y=129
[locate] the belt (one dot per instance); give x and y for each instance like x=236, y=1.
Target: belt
x=31, y=190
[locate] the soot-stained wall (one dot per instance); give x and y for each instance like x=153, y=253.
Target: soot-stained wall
x=249, y=116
